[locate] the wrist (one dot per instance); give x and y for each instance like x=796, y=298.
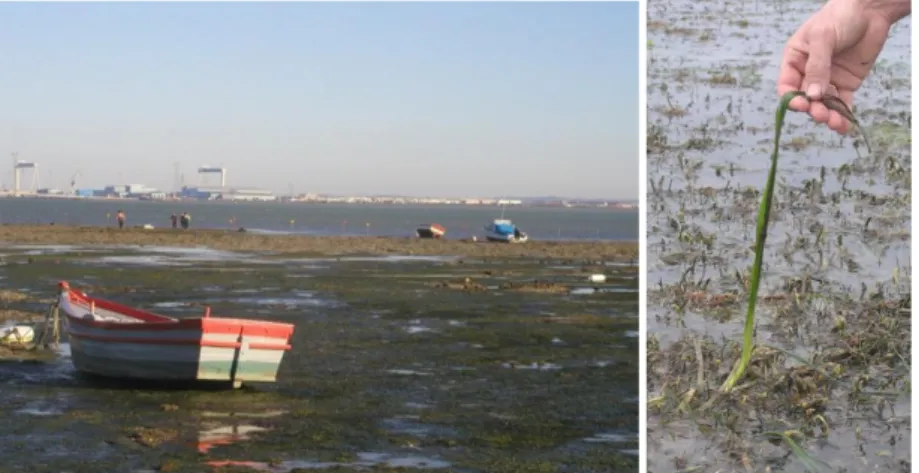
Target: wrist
x=892, y=10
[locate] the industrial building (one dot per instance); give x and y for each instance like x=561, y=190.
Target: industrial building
x=201, y=193
x=207, y=190
x=216, y=193
x=212, y=185
x=20, y=168
x=250, y=195
x=127, y=191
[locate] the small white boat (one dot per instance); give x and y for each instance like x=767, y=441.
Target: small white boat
x=431, y=230
x=116, y=341
x=503, y=230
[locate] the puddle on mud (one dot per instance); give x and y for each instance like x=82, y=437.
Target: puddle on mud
x=40, y=411
x=838, y=238
x=37, y=250
x=381, y=259
x=417, y=405
x=226, y=435
x=138, y=255
x=412, y=425
x=364, y=460
x=246, y=415
x=584, y=291
x=611, y=438
x=417, y=326
x=170, y=305
x=534, y=366
x=301, y=299
x=176, y=258
x=407, y=372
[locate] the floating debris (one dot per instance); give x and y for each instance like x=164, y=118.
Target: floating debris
x=596, y=278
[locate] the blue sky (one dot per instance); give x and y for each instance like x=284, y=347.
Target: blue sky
x=445, y=99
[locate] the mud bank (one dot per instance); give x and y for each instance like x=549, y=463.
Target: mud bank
x=313, y=245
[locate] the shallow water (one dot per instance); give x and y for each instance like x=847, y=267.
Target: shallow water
x=711, y=98
x=461, y=221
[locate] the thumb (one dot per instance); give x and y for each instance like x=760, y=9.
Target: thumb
x=821, y=46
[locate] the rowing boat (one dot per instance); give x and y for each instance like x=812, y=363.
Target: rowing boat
x=117, y=341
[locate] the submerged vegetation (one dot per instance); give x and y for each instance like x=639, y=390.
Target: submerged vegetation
x=391, y=370
x=826, y=385
x=762, y=230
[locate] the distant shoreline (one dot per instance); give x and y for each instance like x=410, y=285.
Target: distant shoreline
x=610, y=204
x=312, y=245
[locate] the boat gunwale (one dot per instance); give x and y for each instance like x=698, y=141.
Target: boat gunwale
x=206, y=325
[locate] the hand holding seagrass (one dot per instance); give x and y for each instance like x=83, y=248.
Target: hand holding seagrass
x=832, y=53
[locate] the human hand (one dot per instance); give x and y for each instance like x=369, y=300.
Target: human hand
x=833, y=52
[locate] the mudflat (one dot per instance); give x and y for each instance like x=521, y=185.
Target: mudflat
x=397, y=363
x=314, y=245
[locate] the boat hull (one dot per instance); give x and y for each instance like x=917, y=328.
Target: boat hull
x=197, y=349
x=153, y=361
x=430, y=231
x=502, y=238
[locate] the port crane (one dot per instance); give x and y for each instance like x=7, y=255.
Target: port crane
x=73, y=182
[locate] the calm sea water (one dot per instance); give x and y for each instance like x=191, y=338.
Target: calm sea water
x=332, y=219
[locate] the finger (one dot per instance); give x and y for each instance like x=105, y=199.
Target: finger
x=799, y=104
x=790, y=79
x=847, y=97
x=838, y=123
x=819, y=112
x=822, y=43
x=790, y=73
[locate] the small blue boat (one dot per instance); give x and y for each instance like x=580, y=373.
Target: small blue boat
x=504, y=231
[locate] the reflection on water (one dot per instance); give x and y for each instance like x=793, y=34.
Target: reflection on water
x=364, y=460
x=225, y=435
x=214, y=433
x=583, y=291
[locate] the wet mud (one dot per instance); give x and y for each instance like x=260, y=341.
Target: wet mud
x=828, y=387
x=388, y=371
x=307, y=245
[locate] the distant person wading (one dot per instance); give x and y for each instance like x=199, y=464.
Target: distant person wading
x=120, y=218
x=175, y=220
x=185, y=220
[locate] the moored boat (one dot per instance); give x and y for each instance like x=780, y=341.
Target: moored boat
x=431, y=230
x=503, y=230
x=116, y=341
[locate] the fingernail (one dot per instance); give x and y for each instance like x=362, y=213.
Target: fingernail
x=813, y=91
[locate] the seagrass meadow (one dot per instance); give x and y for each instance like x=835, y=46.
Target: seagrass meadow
x=483, y=359
x=827, y=387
